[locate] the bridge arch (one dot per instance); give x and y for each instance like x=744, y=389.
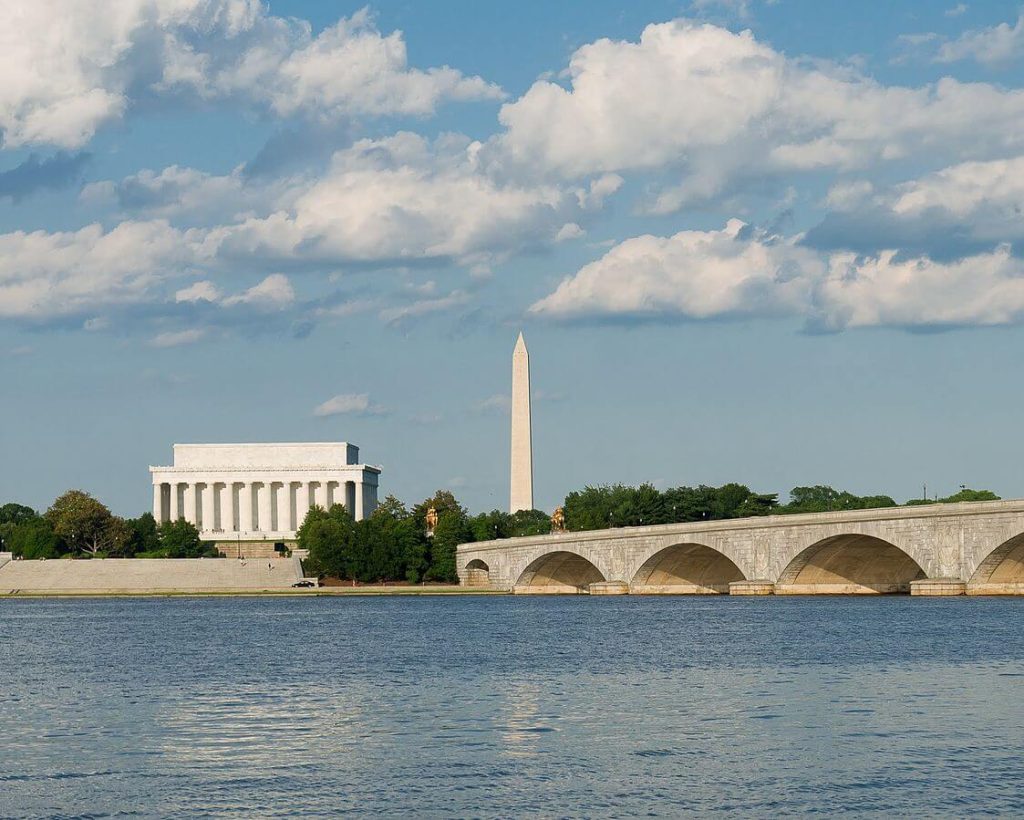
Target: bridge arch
x=478, y=574
x=1002, y=570
x=558, y=572
x=850, y=563
x=685, y=569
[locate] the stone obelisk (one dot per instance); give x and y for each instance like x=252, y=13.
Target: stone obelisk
x=521, y=497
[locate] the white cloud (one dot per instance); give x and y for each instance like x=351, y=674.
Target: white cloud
x=697, y=274
x=401, y=199
x=985, y=289
x=959, y=210
x=356, y=404
x=741, y=272
x=202, y=291
x=274, y=292
x=994, y=46
x=600, y=189
x=956, y=11
x=423, y=307
x=570, y=230
x=47, y=275
x=179, y=337
x=722, y=108
x=184, y=194
x=70, y=66
x=847, y=194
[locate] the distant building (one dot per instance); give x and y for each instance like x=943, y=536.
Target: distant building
x=260, y=492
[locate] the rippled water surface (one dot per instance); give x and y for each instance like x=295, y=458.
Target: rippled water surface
x=478, y=706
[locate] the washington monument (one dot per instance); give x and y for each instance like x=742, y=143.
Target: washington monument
x=521, y=497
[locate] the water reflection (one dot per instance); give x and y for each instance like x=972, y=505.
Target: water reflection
x=518, y=721
x=492, y=707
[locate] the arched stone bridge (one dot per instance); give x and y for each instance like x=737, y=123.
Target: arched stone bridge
x=935, y=549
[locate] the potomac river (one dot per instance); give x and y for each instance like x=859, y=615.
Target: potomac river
x=499, y=706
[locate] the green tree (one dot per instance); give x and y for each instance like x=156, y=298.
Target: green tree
x=823, y=499
x=528, y=522
x=118, y=538
x=82, y=522
x=490, y=525
x=642, y=506
x=144, y=535
x=16, y=514
x=180, y=539
x=966, y=494
x=33, y=538
x=452, y=529
x=591, y=508
x=329, y=538
x=442, y=501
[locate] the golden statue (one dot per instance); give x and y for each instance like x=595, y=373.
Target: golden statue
x=558, y=520
x=431, y=520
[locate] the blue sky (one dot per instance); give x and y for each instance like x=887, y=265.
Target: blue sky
x=776, y=243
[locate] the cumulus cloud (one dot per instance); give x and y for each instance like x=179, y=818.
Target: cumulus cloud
x=183, y=194
x=994, y=46
x=404, y=199
x=719, y=106
x=203, y=291
x=70, y=66
x=697, y=274
x=962, y=209
x=47, y=275
x=738, y=271
x=273, y=292
x=354, y=404
x=423, y=307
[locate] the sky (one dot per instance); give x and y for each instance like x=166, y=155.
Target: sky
x=779, y=243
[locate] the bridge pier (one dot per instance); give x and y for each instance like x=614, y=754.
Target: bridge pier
x=938, y=587
x=609, y=588
x=751, y=588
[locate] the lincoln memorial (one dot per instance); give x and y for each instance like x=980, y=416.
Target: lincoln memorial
x=260, y=492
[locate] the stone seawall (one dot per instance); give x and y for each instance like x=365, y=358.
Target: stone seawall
x=142, y=576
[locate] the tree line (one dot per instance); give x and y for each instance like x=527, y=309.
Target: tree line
x=396, y=543
x=617, y=505
x=78, y=525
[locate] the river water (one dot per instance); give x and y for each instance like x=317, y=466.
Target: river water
x=500, y=706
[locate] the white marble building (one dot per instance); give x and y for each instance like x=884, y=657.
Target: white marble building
x=260, y=491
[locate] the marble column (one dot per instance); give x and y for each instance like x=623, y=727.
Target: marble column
x=227, y=507
x=175, y=511
x=359, y=513
x=158, y=502
x=245, y=507
x=303, y=501
x=207, y=516
x=320, y=493
x=264, y=507
x=284, y=507
x=189, y=513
